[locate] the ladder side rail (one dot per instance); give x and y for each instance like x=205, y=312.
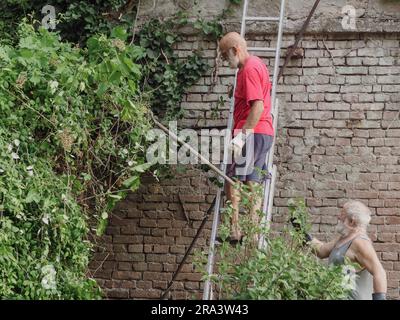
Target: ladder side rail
x=274, y=106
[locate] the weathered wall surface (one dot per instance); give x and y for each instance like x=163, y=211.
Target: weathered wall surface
x=372, y=15
x=338, y=139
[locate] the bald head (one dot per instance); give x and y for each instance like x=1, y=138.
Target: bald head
x=233, y=48
x=231, y=40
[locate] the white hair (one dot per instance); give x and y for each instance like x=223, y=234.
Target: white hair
x=358, y=212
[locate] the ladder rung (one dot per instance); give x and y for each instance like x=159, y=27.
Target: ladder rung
x=262, y=19
x=261, y=49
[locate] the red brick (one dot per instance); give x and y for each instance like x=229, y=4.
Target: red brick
x=144, y=284
x=393, y=220
x=131, y=229
x=127, y=239
x=148, y=223
x=386, y=211
x=392, y=256
x=119, y=248
x=145, y=294
x=393, y=275
x=157, y=232
x=164, y=223
x=135, y=248
x=155, y=266
x=147, y=275
x=129, y=257
x=159, y=284
x=124, y=266
x=387, y=265
x=159, y=248
x=189, y=276
x=117, y=293
x=109, y=265
x=191, y=285
x=192, y=198
x=174, y=232
x=140, y=266
x=167, y=267
x=126, y=275
x=386, y=237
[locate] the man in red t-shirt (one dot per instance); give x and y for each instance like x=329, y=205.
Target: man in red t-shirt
x=252, y=128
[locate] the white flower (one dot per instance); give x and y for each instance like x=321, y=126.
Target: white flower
x=16, y=142
x=14, y=156
x=349, y=277
x=53, y=86
x=49, y=277
x=30, y=170
x=124, y=151
x=82, y=86
x=130, y=163
x=1, y=170
x=45, y=219
x=9, y=147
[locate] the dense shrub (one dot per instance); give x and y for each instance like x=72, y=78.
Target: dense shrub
x=78, y=19
x=72, y=139
x=284, y=269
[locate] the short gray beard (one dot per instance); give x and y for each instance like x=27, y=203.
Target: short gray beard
x=233, y=60
x=342, y=229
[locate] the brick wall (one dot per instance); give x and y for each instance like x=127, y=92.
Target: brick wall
x=338, y=139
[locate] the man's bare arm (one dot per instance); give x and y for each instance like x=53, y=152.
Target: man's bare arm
x=367, y=257
x=321, y=249
x=257, y=108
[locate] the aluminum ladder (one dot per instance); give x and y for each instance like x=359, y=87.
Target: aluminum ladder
x=270, y=182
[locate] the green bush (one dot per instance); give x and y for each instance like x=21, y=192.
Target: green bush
x=283, y=270
x=78, y=20
x=72, y=142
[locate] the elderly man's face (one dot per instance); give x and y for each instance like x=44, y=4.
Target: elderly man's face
x=345, y=225
x=230, y=56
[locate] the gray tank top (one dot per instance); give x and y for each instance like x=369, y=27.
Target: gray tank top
x=364, y=281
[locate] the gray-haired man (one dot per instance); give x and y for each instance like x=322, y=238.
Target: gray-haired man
x=353, y=243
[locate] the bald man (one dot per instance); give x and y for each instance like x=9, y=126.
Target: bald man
x=253, y=125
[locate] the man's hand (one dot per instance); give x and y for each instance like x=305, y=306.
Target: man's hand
x=237, y=144
x=307, y=237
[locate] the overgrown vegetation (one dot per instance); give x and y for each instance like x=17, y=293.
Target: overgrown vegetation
x=72, y=138
x=165, y=75
x=73, y=119
x=77, y=20
x=284, y=270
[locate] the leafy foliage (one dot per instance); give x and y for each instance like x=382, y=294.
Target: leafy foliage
x=72, y=125
x=78, y=20
x=282, y=270
x=72, y=128
x=167, y=76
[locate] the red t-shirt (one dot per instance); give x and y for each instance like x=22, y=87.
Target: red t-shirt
x=253, y=83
